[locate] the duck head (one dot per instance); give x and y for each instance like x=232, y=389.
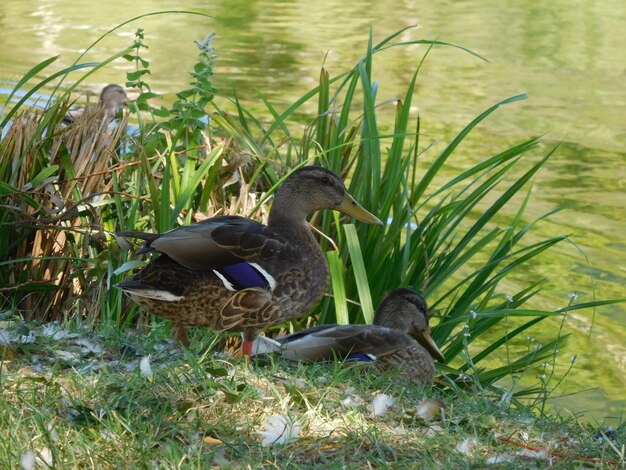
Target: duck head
x=313, y=188
x=113, y=98
x=406, y=310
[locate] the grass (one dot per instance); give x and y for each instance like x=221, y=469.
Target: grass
x=78, y=397
x=463, y=241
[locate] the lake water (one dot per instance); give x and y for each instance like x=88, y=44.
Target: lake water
x=568, y=56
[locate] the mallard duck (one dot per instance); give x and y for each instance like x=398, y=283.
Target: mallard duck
x=234, y=274
x=112, y=99
x=398, y=339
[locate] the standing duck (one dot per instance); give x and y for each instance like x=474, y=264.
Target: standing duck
x=398, y=339
x=230, y=273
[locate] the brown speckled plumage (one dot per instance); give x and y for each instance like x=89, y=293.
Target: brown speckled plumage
x=398, y=339
x=182, y=283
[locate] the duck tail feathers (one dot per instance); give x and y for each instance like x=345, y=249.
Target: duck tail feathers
x=265, y=345
x=138, y=290
x=148, y=237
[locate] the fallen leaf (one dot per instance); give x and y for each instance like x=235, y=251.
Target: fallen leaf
x=299, y=395
x=217, y=371
x=212, y=441
x=7, y=353
x=485, y=421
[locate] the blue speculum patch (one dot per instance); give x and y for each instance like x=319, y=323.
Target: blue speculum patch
x=359, y=357
x=243, y=276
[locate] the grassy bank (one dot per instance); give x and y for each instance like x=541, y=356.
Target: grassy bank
x=111, y=398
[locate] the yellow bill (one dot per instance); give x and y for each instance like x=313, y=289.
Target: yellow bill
x=352, y=208
x=428, y=342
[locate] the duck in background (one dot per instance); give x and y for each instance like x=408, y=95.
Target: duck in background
x=113, y=98
x=399, y=339
x=234, y=274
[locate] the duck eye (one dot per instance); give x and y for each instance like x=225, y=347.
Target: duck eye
x=325, y=180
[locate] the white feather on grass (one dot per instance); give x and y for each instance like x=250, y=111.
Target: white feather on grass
x=144, y=367
x=67, y=356
x=56, y=332
x=88, y=347
x=351, y=400
x=39, y=458
x=467, y=446
x=27, y=460
x=6, y=337
x=500, y=459
x=54, y=435
x=279, y=429
x=430, y=409
x=44, y=457
x=381, y=403
x=220, y=460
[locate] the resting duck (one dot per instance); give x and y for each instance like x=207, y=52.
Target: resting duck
x=398, y=339
x=112, y=98
x=234, y=274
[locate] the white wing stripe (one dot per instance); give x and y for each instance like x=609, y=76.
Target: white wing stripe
x=154, y=294
x=225, y=281
x=268, y=277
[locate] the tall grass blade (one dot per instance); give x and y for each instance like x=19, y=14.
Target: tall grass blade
x=339, y=292
x=360, y=273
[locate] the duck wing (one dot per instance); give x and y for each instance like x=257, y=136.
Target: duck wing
x=328, y=341
x=216, y=242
